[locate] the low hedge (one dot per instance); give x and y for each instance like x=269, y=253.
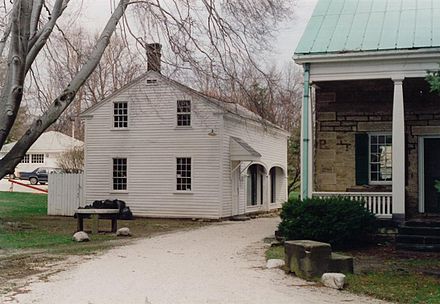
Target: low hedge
x=341, y=222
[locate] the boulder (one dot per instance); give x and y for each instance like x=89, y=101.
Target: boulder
x=123, y=232
x=307, y=259
x=274, y=263
x=333, y=280
x=340, y=263
x=81, y=236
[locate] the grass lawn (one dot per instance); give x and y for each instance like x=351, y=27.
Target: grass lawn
x=30, y=239
x=382, y=272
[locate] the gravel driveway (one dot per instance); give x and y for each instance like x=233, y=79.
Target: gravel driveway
x=220, y=263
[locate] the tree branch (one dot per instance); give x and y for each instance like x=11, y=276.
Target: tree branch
x=36, y=12
x=39, y=40
x=12, y=92
x=13, y=157
x=7, y=32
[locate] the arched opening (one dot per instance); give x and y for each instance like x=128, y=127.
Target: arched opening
x=255, y=185
x=277, y=184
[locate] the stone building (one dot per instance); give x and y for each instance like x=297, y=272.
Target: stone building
x=371, y=126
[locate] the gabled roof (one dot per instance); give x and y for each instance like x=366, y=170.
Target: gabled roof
x=229, y=107
x=241, y=150
x=344, y=26
x=51, y=141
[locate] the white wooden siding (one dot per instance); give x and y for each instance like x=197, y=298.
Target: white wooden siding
x=271, y=144
x=65, y=193
x=151, y=144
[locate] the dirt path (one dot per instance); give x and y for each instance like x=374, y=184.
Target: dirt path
x=222, y=263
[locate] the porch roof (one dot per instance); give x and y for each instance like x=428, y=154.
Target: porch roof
x=348, y=26
x=241, y=150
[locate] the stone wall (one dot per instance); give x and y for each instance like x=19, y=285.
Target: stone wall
x=366, y=107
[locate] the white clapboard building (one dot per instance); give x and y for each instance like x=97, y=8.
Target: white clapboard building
x=45, y=151
x=169, y=151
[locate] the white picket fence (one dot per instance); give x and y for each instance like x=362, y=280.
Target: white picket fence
x=66, y=193
x=379, y=203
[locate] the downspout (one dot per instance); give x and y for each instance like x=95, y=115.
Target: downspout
x=305, y=134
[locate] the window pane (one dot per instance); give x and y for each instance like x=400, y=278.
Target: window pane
x=183, y=112
x=119, y=174
x=380, y=158
x=183, y=173
x=120, y=115
x=37, y=158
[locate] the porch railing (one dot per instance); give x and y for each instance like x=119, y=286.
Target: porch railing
x=379, y=203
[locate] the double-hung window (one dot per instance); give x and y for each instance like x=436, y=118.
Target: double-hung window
x=120, y=115
x=380, y=161
x=119, y=174
x=183, y=174
x=183, y=113
x=37, y=158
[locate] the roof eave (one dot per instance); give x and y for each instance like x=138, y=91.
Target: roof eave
x=368, y=55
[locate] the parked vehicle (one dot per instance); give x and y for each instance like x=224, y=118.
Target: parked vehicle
x=39, y=175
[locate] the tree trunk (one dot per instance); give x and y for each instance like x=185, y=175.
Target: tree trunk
x=14, y=156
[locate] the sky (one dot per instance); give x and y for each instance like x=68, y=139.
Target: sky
x=96, y=12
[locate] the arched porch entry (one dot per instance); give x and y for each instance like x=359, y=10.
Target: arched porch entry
x=277, y=181
x=256, y=185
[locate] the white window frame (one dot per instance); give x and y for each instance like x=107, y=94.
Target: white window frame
x=371, y=182
x=112, y=177
x=184, y=113
x=190, y=177
x=114, y=115
x=39, y=158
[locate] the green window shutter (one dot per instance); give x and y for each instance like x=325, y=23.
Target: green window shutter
x=361, y=159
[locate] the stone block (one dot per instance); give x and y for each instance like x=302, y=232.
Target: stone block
x=344, y=129
x=125, y=231
x=330, y=124
x=326, y=178
x=349, y=123
x=307, y=259
x=340, y=263
x=333, y=280
x=326, y=116
x=326, y=144
x=326, y=135
x=325, y=168
x=426, y=116
x=426, y=130
x=80, y=236
x=357, y=118
x=326, y=154
x=274, y=263
x=434, y=123
x=370, y=126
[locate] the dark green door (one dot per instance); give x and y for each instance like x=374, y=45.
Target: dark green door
x=432, y=174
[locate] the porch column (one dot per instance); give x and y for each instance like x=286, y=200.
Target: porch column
x=305, y=133
x=398, y=161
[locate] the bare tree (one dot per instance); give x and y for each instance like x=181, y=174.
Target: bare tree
x=23, y=50
x=72, y=161
x=276, y=97
x=212, y=37
x=66, y=53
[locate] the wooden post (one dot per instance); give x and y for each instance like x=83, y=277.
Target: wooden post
x=398, y=148
x=95, y=227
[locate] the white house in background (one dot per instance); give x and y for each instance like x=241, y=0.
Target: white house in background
x=170, y=151
x=45, y=151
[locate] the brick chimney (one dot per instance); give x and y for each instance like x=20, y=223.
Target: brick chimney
x=153, y=56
